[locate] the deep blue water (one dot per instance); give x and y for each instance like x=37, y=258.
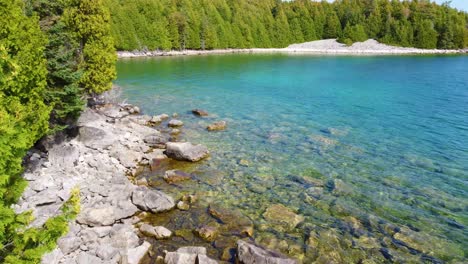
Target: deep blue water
x=392, y=130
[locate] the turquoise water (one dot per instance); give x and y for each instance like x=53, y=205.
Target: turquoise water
x=372, y=151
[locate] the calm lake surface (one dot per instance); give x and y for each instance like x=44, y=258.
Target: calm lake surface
x=371, y=151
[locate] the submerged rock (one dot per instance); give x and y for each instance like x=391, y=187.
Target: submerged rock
x=152, y=200
x=199, y=112
x=175, y=123
x=208, y=232
x=182, y=205
x=236, y=222
x=175, y=176
x=281, y=215
x=186, y=151
x=217, y=126
x=248, y=253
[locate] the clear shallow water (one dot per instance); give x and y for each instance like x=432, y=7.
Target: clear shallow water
x=386, y=137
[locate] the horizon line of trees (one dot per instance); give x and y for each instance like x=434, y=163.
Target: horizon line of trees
x=213, y=24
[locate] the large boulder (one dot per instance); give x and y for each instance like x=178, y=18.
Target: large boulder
x=248, y=253
x=152, y=200
x=186, y=151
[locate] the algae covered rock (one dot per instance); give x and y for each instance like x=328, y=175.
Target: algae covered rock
x=235, y=221
x=217, y=126
x=208, y=232
x=281, y=215
x=175, y=176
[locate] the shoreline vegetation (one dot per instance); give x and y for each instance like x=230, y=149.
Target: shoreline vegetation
x=56, y=56
x=319, y=47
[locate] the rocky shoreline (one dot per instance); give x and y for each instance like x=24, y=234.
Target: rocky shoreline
x=319, y=47
x=111, y=145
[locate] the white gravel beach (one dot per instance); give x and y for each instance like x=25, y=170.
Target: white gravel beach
x=327, y=46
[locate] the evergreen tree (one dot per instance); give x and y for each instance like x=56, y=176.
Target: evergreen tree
x=425, y=35
x=23, y=113
x=332, y=26
x=90, y=21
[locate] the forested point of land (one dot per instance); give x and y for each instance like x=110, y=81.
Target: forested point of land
x=220, y=24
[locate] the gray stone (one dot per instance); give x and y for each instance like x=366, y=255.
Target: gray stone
x=123, y=236
x=175, y=123
x=180, y=258
x=102, y=231
x=69, y=244
x=97, y=216
x=185, y=151
x=88, y=236
x=52, y=257
x=188, y=255
x=192, y=250
x=251, y=254
x=106, y=252
x=155, y=140
x=135, y=255
x=86, y=258
x=205, y=260
x=152, y=200
x=64, y=156
x=158, y=232
x=147, y=230
x=162, y=232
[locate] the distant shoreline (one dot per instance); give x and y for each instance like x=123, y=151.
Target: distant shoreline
x=320, y=47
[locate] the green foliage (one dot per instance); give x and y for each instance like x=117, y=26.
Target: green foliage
x=211, y=24
x=89, y=21
x=29, y=245
x=43, y=84
x=23, y=113
x=352, y=34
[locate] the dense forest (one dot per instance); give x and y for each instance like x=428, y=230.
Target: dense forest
x=210, y=24
x=54, y=54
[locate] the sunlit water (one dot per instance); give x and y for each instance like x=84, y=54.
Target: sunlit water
x=386, y=137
